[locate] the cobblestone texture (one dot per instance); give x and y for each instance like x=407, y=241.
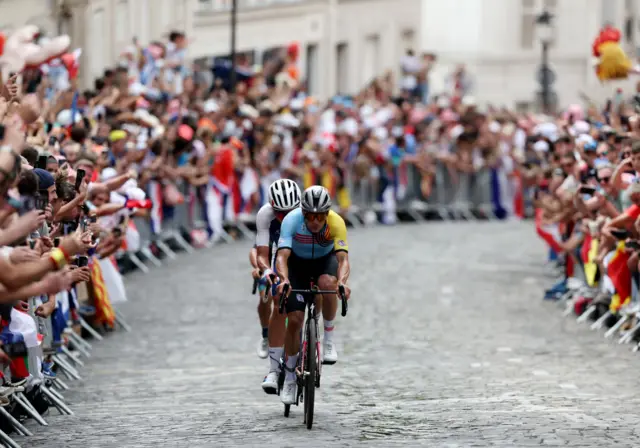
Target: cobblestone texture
x=447, y=344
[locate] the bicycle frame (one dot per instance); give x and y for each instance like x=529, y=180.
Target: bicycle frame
x=310, y=314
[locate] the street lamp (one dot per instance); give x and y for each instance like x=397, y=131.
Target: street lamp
x=546, y=77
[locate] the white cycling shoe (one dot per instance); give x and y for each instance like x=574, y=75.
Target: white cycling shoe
x=263, y=348
x=288, y=392
x=329, y=352
x=270, y=383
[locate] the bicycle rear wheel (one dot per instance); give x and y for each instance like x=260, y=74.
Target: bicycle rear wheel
x=310, y=372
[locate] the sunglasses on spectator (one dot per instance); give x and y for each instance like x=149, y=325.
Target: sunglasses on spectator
x=319, y=217
x=604, y=180
x=603, y=153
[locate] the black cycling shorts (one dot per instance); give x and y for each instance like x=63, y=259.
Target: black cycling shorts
x=303, y=271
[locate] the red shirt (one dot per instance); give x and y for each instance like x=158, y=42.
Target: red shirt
x=633, y=212
x=222, y=169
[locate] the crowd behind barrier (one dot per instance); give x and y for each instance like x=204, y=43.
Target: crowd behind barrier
x=173, y=162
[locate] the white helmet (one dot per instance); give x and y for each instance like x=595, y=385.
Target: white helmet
x=316, y=199
x=284, y=195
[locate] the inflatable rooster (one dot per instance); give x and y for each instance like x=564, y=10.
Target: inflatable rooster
x=613, y=63
x=24, y=49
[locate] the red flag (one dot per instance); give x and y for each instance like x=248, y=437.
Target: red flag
x=71, y=62
x=618, y=272
x=586, y=247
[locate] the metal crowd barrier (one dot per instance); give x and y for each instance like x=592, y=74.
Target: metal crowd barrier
x=453, y=196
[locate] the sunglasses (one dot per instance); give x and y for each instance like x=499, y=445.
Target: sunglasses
x=319, y=217
x=603, y=153
x=604, y=180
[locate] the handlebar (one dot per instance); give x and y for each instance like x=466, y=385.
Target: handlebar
x=286, y=289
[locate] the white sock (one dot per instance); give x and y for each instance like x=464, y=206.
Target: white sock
x=328, y=330
x=292, y=360
x=275, y=353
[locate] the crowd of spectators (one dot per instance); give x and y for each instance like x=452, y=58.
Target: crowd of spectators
x=82, y=171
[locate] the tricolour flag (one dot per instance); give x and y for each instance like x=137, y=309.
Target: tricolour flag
x=101, y=302
x=618, y=272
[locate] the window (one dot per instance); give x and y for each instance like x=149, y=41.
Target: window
x=342, y=68
x=122, y=21
x=312, y=69
x=371, y=56
x=531, y=9
x=629, y=21
x=97, y=42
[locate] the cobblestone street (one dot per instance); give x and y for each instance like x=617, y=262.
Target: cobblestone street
x=447, y=344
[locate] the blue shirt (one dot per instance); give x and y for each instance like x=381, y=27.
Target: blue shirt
x=294, y=235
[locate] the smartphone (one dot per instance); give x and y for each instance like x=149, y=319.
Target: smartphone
x=83, y=225
x=15, y=349
x=620, y=234
x=41, y=203
x=117, y=232
x=585, y=189
x=42, y=162
x=53, y=140
x=82, y=261
x=633, y=244
x=32, y=244
x=56, y=241
x=93, y=219
x=80, y=173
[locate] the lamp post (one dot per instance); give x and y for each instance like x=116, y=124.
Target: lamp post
x=546, y=76
x=234, y=11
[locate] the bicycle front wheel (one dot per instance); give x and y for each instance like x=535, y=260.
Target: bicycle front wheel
x=310, y=371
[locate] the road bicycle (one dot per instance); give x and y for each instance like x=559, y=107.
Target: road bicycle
x=309, y=365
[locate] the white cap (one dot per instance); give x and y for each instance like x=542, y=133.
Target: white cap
x=381, y=133
x=246, y=110
x=64, y=118
x=586, y=138
x=210, y=106
x=579, y=128
x=541, y=146
x=456, y=131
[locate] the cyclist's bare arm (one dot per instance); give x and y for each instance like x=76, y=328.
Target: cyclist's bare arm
x=253, y=258
x=281, y=263
x=262, y=258
x=343, y=267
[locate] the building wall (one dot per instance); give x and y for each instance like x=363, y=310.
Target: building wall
x=14, y=13
x=489, y=37
x=365, y=36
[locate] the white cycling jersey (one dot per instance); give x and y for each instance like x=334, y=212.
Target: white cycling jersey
x=264, y=226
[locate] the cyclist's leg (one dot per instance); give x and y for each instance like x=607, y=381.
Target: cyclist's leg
x=276, y=344
x=328, y=281
x=295, y=308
